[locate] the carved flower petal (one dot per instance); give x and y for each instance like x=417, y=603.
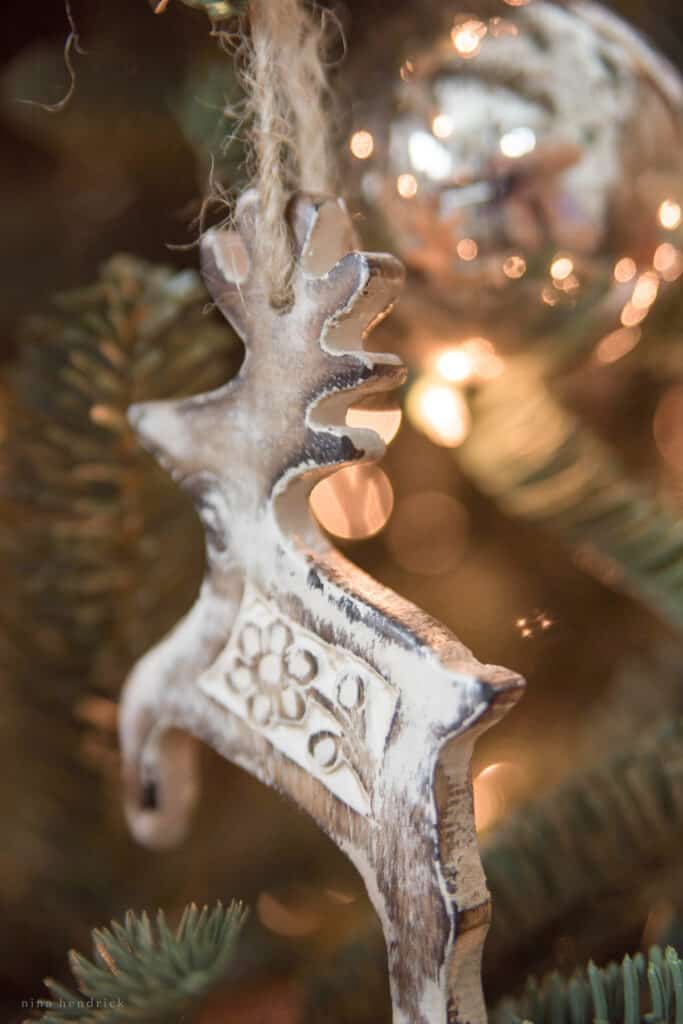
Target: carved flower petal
x=260, y=709
x=241, y=677
x=250, y=640
x=351, y=691
x=302, y=666
x=292, y=705
x=279, y=638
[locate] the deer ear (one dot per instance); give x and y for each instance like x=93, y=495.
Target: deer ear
x=226, y=266
x=322, y=232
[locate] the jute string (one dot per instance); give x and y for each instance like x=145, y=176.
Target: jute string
x=286, y=87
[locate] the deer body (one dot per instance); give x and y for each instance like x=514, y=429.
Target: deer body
x=293, y=663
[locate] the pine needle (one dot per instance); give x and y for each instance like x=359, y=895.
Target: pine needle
x=566, y=855
x=146, y=975
x=610, y=995
x=84, y=515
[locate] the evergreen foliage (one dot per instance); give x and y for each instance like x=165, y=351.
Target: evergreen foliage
x=616, y=994
x=149, y=976
x=84, y=516
x=577, y=848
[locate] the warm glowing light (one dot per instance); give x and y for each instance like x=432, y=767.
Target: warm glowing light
x=617, y=344
x=385, y=422
x=442, y=126
x=455, y=365
x=501, y=27
x=517, y=3
x=645, y=291
x=624, y=270
x=530, y=625
x=514, y=267
x=407, y=69
x=518, y=142
x=631, y=315
x=473, y=359
x=467, y=249
x=549, y=297
x=439, y=411
x=355, y=503
x=670, y=214
x=429, y=157
x=569, y=285
x=561, y=268
x=427, y=534
x=664, y=257
x=362, y=145
x=406, y=185
x=467, y=37
x=495, y=788
x=668, y=261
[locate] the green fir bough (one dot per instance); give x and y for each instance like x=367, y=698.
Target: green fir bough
x=149, y=975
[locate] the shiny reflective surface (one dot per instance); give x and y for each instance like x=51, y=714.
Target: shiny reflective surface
x=531, y=165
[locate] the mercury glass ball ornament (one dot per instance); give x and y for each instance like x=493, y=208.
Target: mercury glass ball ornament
x=527, y=163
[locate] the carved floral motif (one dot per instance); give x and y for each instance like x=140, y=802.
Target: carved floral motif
x=329, y=711
x=272, y=673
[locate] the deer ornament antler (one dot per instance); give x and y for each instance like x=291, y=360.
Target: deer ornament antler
x=293, y=663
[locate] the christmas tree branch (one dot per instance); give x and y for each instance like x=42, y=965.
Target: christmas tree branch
x=148, y=975
x=611, y=829
x=610, y=995
x=81, y=512
x=540, y=463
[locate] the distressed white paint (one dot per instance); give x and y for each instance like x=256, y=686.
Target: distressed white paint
x=293, y=663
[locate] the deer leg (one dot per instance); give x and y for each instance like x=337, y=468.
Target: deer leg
x=159, y=765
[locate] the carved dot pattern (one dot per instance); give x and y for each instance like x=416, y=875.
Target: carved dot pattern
x=324, y=749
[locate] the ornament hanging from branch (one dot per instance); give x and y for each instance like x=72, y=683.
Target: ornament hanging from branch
x=293, y=663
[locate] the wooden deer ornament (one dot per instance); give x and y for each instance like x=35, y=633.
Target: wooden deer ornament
x=293, y=663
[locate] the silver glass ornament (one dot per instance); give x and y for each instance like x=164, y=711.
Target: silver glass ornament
x=529, y=163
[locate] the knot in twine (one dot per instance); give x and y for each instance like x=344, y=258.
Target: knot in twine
x=286, y=87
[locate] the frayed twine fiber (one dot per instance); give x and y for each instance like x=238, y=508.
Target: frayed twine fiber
x=71, y=46
x=286, y=87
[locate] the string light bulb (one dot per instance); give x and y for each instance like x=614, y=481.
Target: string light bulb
x=442, y=126
x=474, y=359
x=362, y=144
x=467, y=36
x=670, y=214
x=406, y=186
x=439, y=412
x=514, y=267
x=561, y=268
x=467, y=249
x=624, y=270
